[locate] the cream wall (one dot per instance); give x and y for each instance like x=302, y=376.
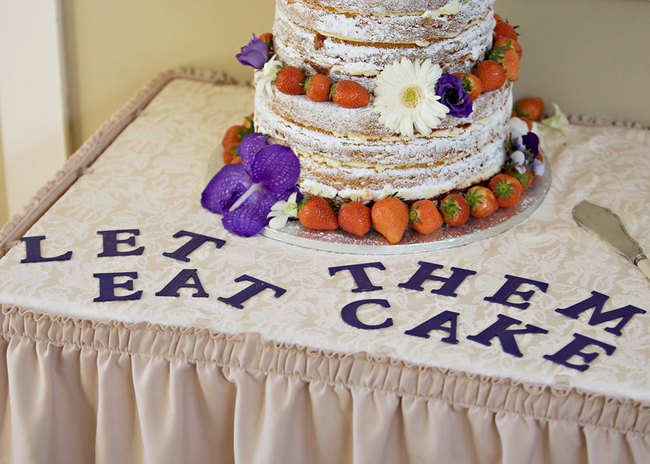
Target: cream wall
x=589, y=56
x=4, y=213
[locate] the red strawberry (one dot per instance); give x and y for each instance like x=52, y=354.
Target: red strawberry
x=531, y=108
x=481, y=202
x=471, y=84
x=354, y=217
x=506, y=189
x=525, y=179
x=268, y=40
x=425, y=217
x=290, y=80
x=454, y=210
x=248, y=122
x=230, y=153
x=390, y=217
x=232, y=135
x=349, y=94
x=318, y=87
x=504, y=30
x=498, y=18
x=508, y=58
x=509, y=43
x=316, y=213
x=491, y=74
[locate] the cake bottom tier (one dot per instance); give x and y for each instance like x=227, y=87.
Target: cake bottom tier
x=407, y=182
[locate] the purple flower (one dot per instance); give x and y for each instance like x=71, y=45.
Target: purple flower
x=244, y=193
x=453, y=96
x=255, y=54
x=531, y=141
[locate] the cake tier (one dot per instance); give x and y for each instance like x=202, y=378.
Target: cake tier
x=350, y=154
x=357, y=43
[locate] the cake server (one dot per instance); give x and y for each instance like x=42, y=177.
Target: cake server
x=606, y=224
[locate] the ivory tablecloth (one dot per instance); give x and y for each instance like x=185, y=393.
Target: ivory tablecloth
x=164, y=379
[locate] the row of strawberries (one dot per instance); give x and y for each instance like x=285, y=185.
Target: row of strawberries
x=391, y=216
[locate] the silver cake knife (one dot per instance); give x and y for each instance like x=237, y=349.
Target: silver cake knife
x=606, y=224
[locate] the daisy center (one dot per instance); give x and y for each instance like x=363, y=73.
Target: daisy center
x=411, y=97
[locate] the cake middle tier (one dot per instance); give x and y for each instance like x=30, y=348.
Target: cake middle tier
x=348, y=153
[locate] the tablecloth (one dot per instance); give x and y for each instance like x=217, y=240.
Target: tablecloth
x=120, y=345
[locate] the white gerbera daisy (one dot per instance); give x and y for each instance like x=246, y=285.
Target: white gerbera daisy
x=405, y=96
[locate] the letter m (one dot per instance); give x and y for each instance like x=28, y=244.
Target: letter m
x=597, y=301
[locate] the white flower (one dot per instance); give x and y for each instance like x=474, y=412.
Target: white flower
x=269, y=73
x=557, y=121
x=405, y=96
x=516, y=124
x=519, y=159
x=282, y=210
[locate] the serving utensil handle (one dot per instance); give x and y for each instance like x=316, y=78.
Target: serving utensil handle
x=644, y=265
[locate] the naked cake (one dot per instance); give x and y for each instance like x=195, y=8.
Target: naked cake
x=359, y=153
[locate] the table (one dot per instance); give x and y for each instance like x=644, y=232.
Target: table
x=136, y=329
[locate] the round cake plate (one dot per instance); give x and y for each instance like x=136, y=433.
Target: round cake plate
x=373, y=243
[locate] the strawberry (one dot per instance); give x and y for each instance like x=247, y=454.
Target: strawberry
x=424, y=216
x=506, y=189
x=509, y=43
x=525, y=179
x=248, y=122
x=354, y=217
x=481, y=201
x=504, y=30
x=471, y=84
x=507, y=57
x=349, y=94
x=230, y=153
x=318, y=87
x=232, y=136
x=498, y=18
x=268, y=40
x=454, y=209
x=290, y=80
x=316, y=213
x=390, y=217
x=491, y=74
x=531, y=108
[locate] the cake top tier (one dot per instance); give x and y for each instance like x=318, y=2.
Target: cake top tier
x=386, y=6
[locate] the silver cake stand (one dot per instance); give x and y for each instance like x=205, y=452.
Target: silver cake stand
x=373, y=243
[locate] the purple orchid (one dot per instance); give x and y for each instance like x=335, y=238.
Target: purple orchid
x=255, y=54
x=454, y=96
x=245, y=192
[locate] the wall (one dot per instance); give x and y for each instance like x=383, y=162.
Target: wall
x=115, y=46
x=4, y=213
x=589, y=56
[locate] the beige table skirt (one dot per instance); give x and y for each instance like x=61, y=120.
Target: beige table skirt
x=81, y=391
